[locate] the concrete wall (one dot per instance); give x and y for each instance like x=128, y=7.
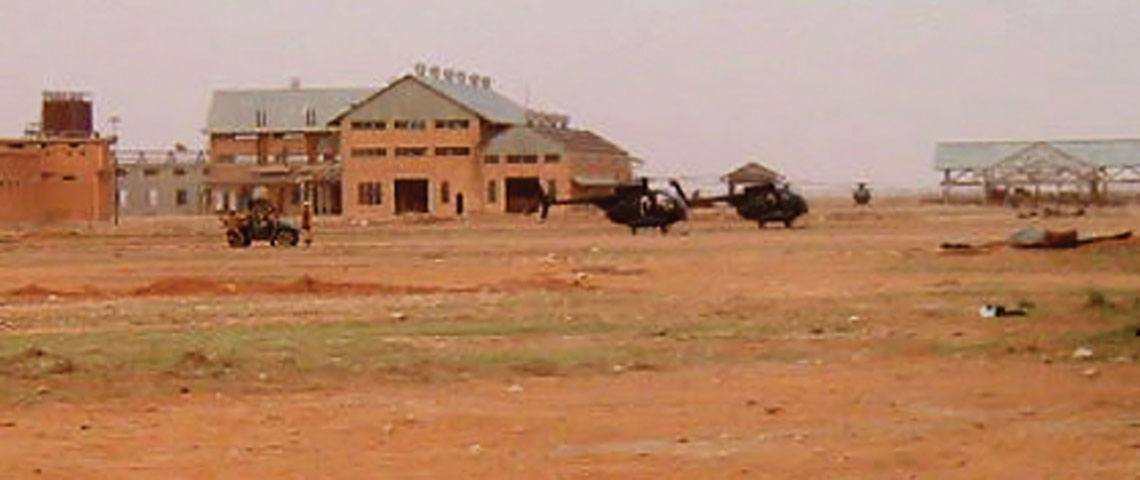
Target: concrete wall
x=47, y=180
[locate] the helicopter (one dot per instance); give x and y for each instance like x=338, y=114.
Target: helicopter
x=861, y=194
x=762, y=203
x=636, y=206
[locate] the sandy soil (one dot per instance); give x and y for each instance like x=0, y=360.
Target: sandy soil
x=850, y=348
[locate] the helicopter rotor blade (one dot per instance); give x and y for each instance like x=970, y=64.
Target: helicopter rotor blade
x=680, y=191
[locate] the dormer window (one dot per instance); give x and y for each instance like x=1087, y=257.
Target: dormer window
x=261, y=119
x=310, y=117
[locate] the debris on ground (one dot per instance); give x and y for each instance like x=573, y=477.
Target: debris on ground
x=993, y=311
x=1037, y=238
x=1050, y=212
x=1082, y=353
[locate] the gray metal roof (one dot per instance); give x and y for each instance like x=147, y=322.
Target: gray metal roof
x=485, y=102
x=527, y=139
x=235, y=110
x=1102, y=153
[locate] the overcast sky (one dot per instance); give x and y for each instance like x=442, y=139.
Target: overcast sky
x=826, y=91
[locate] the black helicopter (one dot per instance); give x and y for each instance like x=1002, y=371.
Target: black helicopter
x=762, y=203
x=635, y=206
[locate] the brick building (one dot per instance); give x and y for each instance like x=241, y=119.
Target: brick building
x=161, y=182
x=447, y=144
x=62, y=172
x=279, y=140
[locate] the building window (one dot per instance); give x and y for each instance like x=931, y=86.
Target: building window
x=410, y=124
x=411, y=151
x=445, y=192
x=522, y=158
x=492, y=191
x=181, y=197
x=179, y=171
x=124, y=194
x=69, y=178
x=551, y=188
x=260, y=118
x=551, y=158
x=369, y=125
x=452, y=124
x=452, y=151
x=152, y=197
x=120, y=172
x=150, y=172
x=370, y=152
x=368, y=193
x=491, y=159
x=310, y=117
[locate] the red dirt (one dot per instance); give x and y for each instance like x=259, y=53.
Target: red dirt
x=305, y=285
x=885, y=370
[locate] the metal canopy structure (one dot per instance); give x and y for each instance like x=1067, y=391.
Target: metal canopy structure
x=1078, y=169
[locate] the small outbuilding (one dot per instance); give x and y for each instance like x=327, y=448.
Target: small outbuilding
x=751, y=173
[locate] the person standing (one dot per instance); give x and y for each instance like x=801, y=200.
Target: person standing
x=307, y=224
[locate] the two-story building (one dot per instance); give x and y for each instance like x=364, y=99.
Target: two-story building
x=278, y=140
x=447, y=144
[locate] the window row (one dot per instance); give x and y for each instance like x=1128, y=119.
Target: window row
x=364, y=152
x=548, y=158
x=181, y=197
x=408, y=124
x=150, y=172
x=369, y=125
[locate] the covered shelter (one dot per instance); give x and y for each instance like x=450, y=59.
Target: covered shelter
x=1064, y=170
x=751, y=173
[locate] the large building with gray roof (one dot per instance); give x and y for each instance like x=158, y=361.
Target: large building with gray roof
x=437, y=141
x=444, y=143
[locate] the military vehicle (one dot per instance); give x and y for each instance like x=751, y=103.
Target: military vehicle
x=259, y=223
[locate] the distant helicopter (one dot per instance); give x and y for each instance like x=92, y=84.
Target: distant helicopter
x=762, y=203
x=861, y=194
x=635, y=206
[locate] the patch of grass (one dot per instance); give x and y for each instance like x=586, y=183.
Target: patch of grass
x=1119, y=341
x=972, y=347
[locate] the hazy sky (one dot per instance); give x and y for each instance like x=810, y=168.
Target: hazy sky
x=826, y=91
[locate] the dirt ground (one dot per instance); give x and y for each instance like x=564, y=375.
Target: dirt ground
x=504, y=348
